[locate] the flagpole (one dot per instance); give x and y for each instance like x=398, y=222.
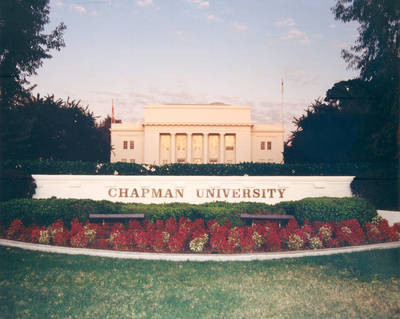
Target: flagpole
x=282, y=93
x=113, y=115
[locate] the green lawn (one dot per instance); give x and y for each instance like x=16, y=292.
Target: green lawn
x=41, y=285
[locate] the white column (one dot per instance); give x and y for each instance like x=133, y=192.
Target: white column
x=205, y=148
x=189, y=148
x=173, y=148
x=221, y=147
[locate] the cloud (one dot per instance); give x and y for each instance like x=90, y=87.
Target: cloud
x=182, y=35
x=78, y=8
x=240, y=26
x=144, y=3
x=94, y=13
x=297, y=35
x=200, y=3
x=204, y=4
x=212, y=17
x=289, y=22
x=317, y=36
x=59, y=3
x=332, y=26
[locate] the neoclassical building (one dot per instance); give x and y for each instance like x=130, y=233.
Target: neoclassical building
x=211, y=133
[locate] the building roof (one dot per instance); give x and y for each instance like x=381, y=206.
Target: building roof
x=201, y=114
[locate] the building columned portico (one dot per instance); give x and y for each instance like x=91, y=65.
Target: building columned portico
x=212, y=133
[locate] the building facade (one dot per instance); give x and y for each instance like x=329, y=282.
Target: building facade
x=212, y=133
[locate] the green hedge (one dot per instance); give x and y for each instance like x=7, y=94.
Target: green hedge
x=251, y=169
x=329, y=209
x=46, y=211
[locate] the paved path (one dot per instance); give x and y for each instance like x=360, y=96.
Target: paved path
x=194, y=257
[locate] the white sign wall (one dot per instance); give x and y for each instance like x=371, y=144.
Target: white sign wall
x=191, y=189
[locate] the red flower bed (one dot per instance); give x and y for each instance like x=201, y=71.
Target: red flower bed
x=194, y=236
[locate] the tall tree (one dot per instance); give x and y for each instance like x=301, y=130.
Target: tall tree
x=23, y=47
x=24, y=44
x=328, y=133
x=376, y=54
x=51, y=128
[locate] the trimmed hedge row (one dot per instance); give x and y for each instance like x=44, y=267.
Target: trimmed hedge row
x=47, y=211
x=252, y=169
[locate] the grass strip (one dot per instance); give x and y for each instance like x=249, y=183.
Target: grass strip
x=41, y=285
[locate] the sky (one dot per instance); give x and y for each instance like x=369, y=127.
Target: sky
x=141, y=52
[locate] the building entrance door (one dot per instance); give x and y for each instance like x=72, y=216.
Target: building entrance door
x=165, y=149
x=180, y=148
x=213, y=148
x=197, y=148
x=230, y=148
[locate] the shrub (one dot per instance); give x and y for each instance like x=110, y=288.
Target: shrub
x=251, y=169
x=315, y=243
x=15, y=183
x=349, y=232
x=380, y=185
x=329, y=209
x=223, y=239
x=48, y=211
x=295, y=242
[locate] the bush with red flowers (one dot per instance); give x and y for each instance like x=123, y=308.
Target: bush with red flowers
x=184, y=235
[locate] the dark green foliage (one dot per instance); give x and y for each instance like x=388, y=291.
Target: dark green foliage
x=380, y=185
x=376, y=54
x=346, y=127
x=54, y=129
x=15, y=183
x=46, y=211
x=329, y=209
x=251, y=169
x=326, y=134
x=24, y=44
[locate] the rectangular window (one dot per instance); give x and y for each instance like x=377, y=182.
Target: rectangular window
x=131, y=145
x=123, y=160
x=197, y=148
x=230, y=152
x=125, y=145
x=197, y=143
x=180, y=148
x=132, y=160
x=165, y=149
x=229, y=142
x=269, y=145
x=165, y=141
x=213, y=148
x=262, y=146
x=181, y=142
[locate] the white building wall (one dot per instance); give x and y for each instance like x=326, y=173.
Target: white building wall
x=264, y=133
x=127, y=133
